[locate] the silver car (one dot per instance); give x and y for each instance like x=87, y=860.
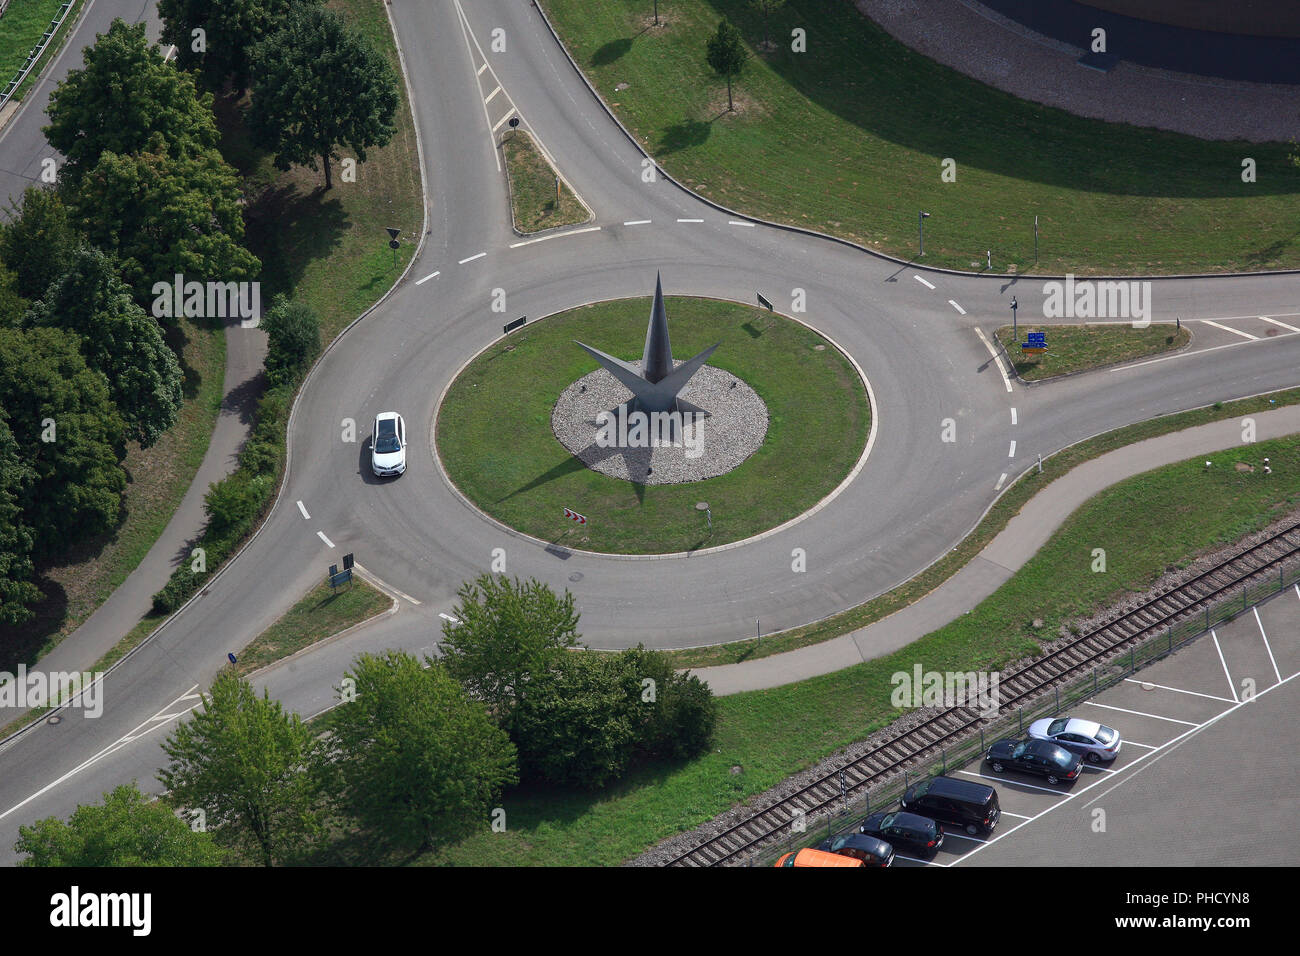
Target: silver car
x=1095, y=742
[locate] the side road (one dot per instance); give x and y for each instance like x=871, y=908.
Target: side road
x=1023, y=536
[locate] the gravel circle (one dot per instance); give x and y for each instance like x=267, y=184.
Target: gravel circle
x=734, y=429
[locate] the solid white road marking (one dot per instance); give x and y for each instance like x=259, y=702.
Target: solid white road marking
x=321, y=535
x=1019, y=783
x=472, y=258
x=1012, y=452
x=303, y=509
x=954, y=304
x=1289, y=328
x=637, y=222
x=1179, y=690
x=737, y=222
x=492, y=94
x=1267, y=646
x=1147, y=746
x=1228, y=328
x=923, y=282
x=992, y=351
x=1013, y=414
x=431, y=275
x=1140, y=713
x=1008, y=813
x=470, y=38
x=998, y=486
x=690, y=220
x=382, y=584
x=556, y=235
x=1226, y=672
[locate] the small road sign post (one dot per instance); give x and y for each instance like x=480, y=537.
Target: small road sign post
x=1035, y=343
x=574, y=516
x=762, y=300
x=920, y=230
x=1015, y=333
x=511, y=326
x=393, y=243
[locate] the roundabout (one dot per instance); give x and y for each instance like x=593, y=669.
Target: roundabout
x=528, y=429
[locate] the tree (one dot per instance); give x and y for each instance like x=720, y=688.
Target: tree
x=726, y=54
x=578, y=724
x=68, y=431
x=293, y=339
x=319, y=85
x=38, y=241
x=12, y=305
x=255, y=770
x=420, y=761
x=118, y=339
x=124, y=97
x=127, y=829
x=507, y=633
x=161, y=215
x=679, y=712
x=229, y=28
x=16, y=590
x=767, y=8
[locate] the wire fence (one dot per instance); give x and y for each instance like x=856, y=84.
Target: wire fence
x=37, y=51
x=941, y=759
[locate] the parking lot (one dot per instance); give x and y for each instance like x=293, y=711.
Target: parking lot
x=1204, y=777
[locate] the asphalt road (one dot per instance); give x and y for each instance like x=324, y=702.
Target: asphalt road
x=916, y=341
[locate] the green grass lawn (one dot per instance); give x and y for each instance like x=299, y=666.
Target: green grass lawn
x=1146, y=524
x=848, y=138
x=322, y=613
x=533, y=202
x=523, y=476
x=1076, y=348
x=21, y=29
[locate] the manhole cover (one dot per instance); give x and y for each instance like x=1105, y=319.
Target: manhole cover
x=701, y=506
x=1147, y=685
x=576, y=576
x=53, y=719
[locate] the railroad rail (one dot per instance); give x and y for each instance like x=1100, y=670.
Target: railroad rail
x=1073, y=658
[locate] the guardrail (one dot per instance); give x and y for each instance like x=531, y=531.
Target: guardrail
x=37, y=52
x=1147, y=651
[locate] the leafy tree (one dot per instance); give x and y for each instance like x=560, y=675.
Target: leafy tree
x=578, y=724
x=679, y=710
x=118, y=339
x=252, y=768
x=160, y=215
x=69, y=432
x=420, y=761
x=124, y=97
x=12, y=305
x=229, y=28
x=766, y=8
x=38, y=241
x=293, y=339
x=127, y=829
x=318, y=85
x=16, y=590
x=507, y=633
x=726, y=54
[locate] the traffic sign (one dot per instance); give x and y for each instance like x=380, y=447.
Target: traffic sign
x=1035, y=344
x=574, y=516
x=763, y=302
x=393, y=233
x=347, y=561
x=511, y=326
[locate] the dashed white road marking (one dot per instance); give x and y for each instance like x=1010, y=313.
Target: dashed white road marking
x=321, y=535
x=953, y=303
x=923, y=282
x=690, y=220
x=1178, y=690
x=637, y=222
x=431, y=275
x=303, y=509
x=1289, y=328
x=998, y=486
x=554, y=235
x=472, y=258
x=1228, y=328
x=1140, y=713
x=737, y=222
x=1012, y=452
x=480, y=70
x=1013, y=414
x=1226, y=672
x=1006, y=379
x=492, y=94
x=449, y=617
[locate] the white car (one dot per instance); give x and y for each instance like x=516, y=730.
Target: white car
x=1089, y=739
x=388, y=445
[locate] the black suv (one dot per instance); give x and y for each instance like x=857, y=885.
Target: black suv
x=962, y=803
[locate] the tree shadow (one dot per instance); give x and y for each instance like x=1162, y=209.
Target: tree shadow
x=611, y=52
x=176, y=339
x=288, y=229
x=19, y=644
x=684, y=135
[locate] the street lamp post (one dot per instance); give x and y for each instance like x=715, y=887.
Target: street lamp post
x=920, y=229
x=1015, y=334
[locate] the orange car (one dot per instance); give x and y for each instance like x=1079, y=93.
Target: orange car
x=811, y=857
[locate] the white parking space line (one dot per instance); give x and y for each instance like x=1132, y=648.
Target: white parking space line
x=953, y=303
x=737, y=222
x=556, y=235
x=963, y=836
x=1179, y=690
x=1226, y=672
x=1093, y=766
x=472, y=258
x=1012, y=452
x=1289, y=328
x=321, y=535
x=1021, y=816
x=923, y=282
x=1268, y=647
x=992, y=351
x=431, y=275
x=303, y=509
x=1016, y=781
x=1001, y=481
x=637, y=222
x=1140, y=713
x=690, y=220
x=1013, y=414
x=1228, y=328
x=1147, y=746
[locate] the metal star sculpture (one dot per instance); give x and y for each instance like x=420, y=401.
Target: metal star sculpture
x=655, y=387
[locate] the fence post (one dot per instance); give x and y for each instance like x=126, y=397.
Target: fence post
x=982, y=747
x=1020, y=720
x=1058, y=698
x=1132, y=660
x=1169, y=630
x=1207, y=617
x=943, y=759
x=1094, y=680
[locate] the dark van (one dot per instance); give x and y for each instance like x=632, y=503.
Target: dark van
x=963, y=803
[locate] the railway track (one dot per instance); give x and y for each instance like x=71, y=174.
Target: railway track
x=921, y=742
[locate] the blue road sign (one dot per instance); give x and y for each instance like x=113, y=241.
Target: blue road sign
x=232, y=658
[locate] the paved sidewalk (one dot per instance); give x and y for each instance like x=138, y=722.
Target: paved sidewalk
x=975, y=40
x=1023, y=536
